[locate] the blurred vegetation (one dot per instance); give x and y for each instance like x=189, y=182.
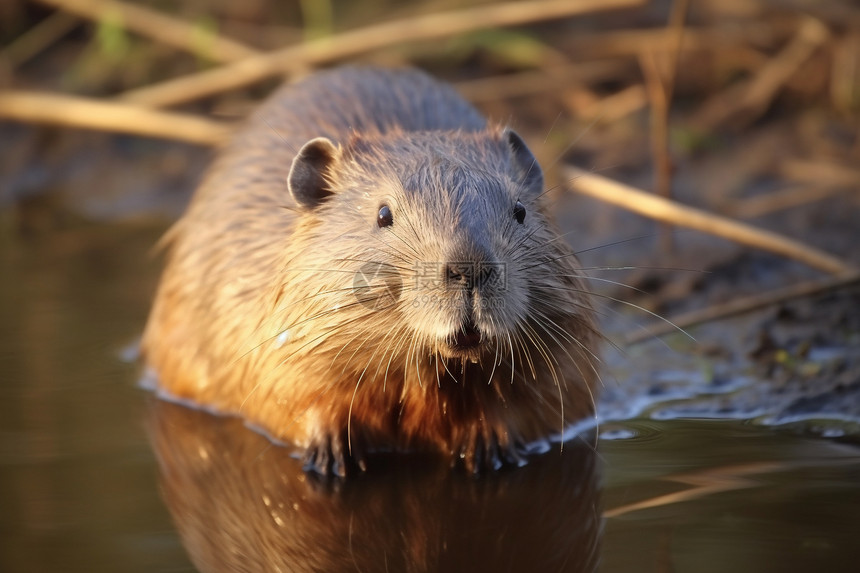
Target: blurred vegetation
x=662, y=94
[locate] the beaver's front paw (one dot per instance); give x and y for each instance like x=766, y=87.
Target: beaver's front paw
x=333, y=454
x=487, y=451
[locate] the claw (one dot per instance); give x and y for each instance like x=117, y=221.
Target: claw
x=480, y=453
x=327, y=456
x=515, y=455
x=494, y=454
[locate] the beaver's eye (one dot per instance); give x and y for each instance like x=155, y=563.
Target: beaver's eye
x=519, y=213
x=384, y=218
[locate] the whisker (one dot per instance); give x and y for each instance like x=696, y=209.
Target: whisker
x=574, y=141
x=646, y=268
x=630, y=304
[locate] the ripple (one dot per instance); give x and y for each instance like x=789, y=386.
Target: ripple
x=637, y=430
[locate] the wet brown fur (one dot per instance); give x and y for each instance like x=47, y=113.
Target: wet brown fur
x=256, y=313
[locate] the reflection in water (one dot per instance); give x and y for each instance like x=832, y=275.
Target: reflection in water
x=243, y=504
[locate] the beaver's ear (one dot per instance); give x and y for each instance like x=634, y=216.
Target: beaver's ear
x=308, y=182
x=527, y=171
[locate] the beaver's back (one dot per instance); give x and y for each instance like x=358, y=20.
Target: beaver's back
x=334, y=103
x=337, y=103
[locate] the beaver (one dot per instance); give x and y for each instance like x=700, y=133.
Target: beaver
x=368, y=266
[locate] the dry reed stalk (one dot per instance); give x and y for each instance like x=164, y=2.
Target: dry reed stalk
x=426, y=27
x=783, y=199
x=661, y=209
x=38, y=38
x=538, y=81
x=660, y=88
x=157, y=26
x=73, y=111
x=745, y=304
x=741, y=103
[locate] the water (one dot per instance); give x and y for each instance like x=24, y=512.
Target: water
x=97, y=475
x=77, y=477
x=729, y=496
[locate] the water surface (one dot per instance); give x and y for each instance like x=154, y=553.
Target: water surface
x=97, y=475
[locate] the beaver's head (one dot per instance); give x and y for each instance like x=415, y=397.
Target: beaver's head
x=446, y=243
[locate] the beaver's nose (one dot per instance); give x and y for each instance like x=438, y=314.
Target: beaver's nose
x=460, y=275
x=472, y=276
